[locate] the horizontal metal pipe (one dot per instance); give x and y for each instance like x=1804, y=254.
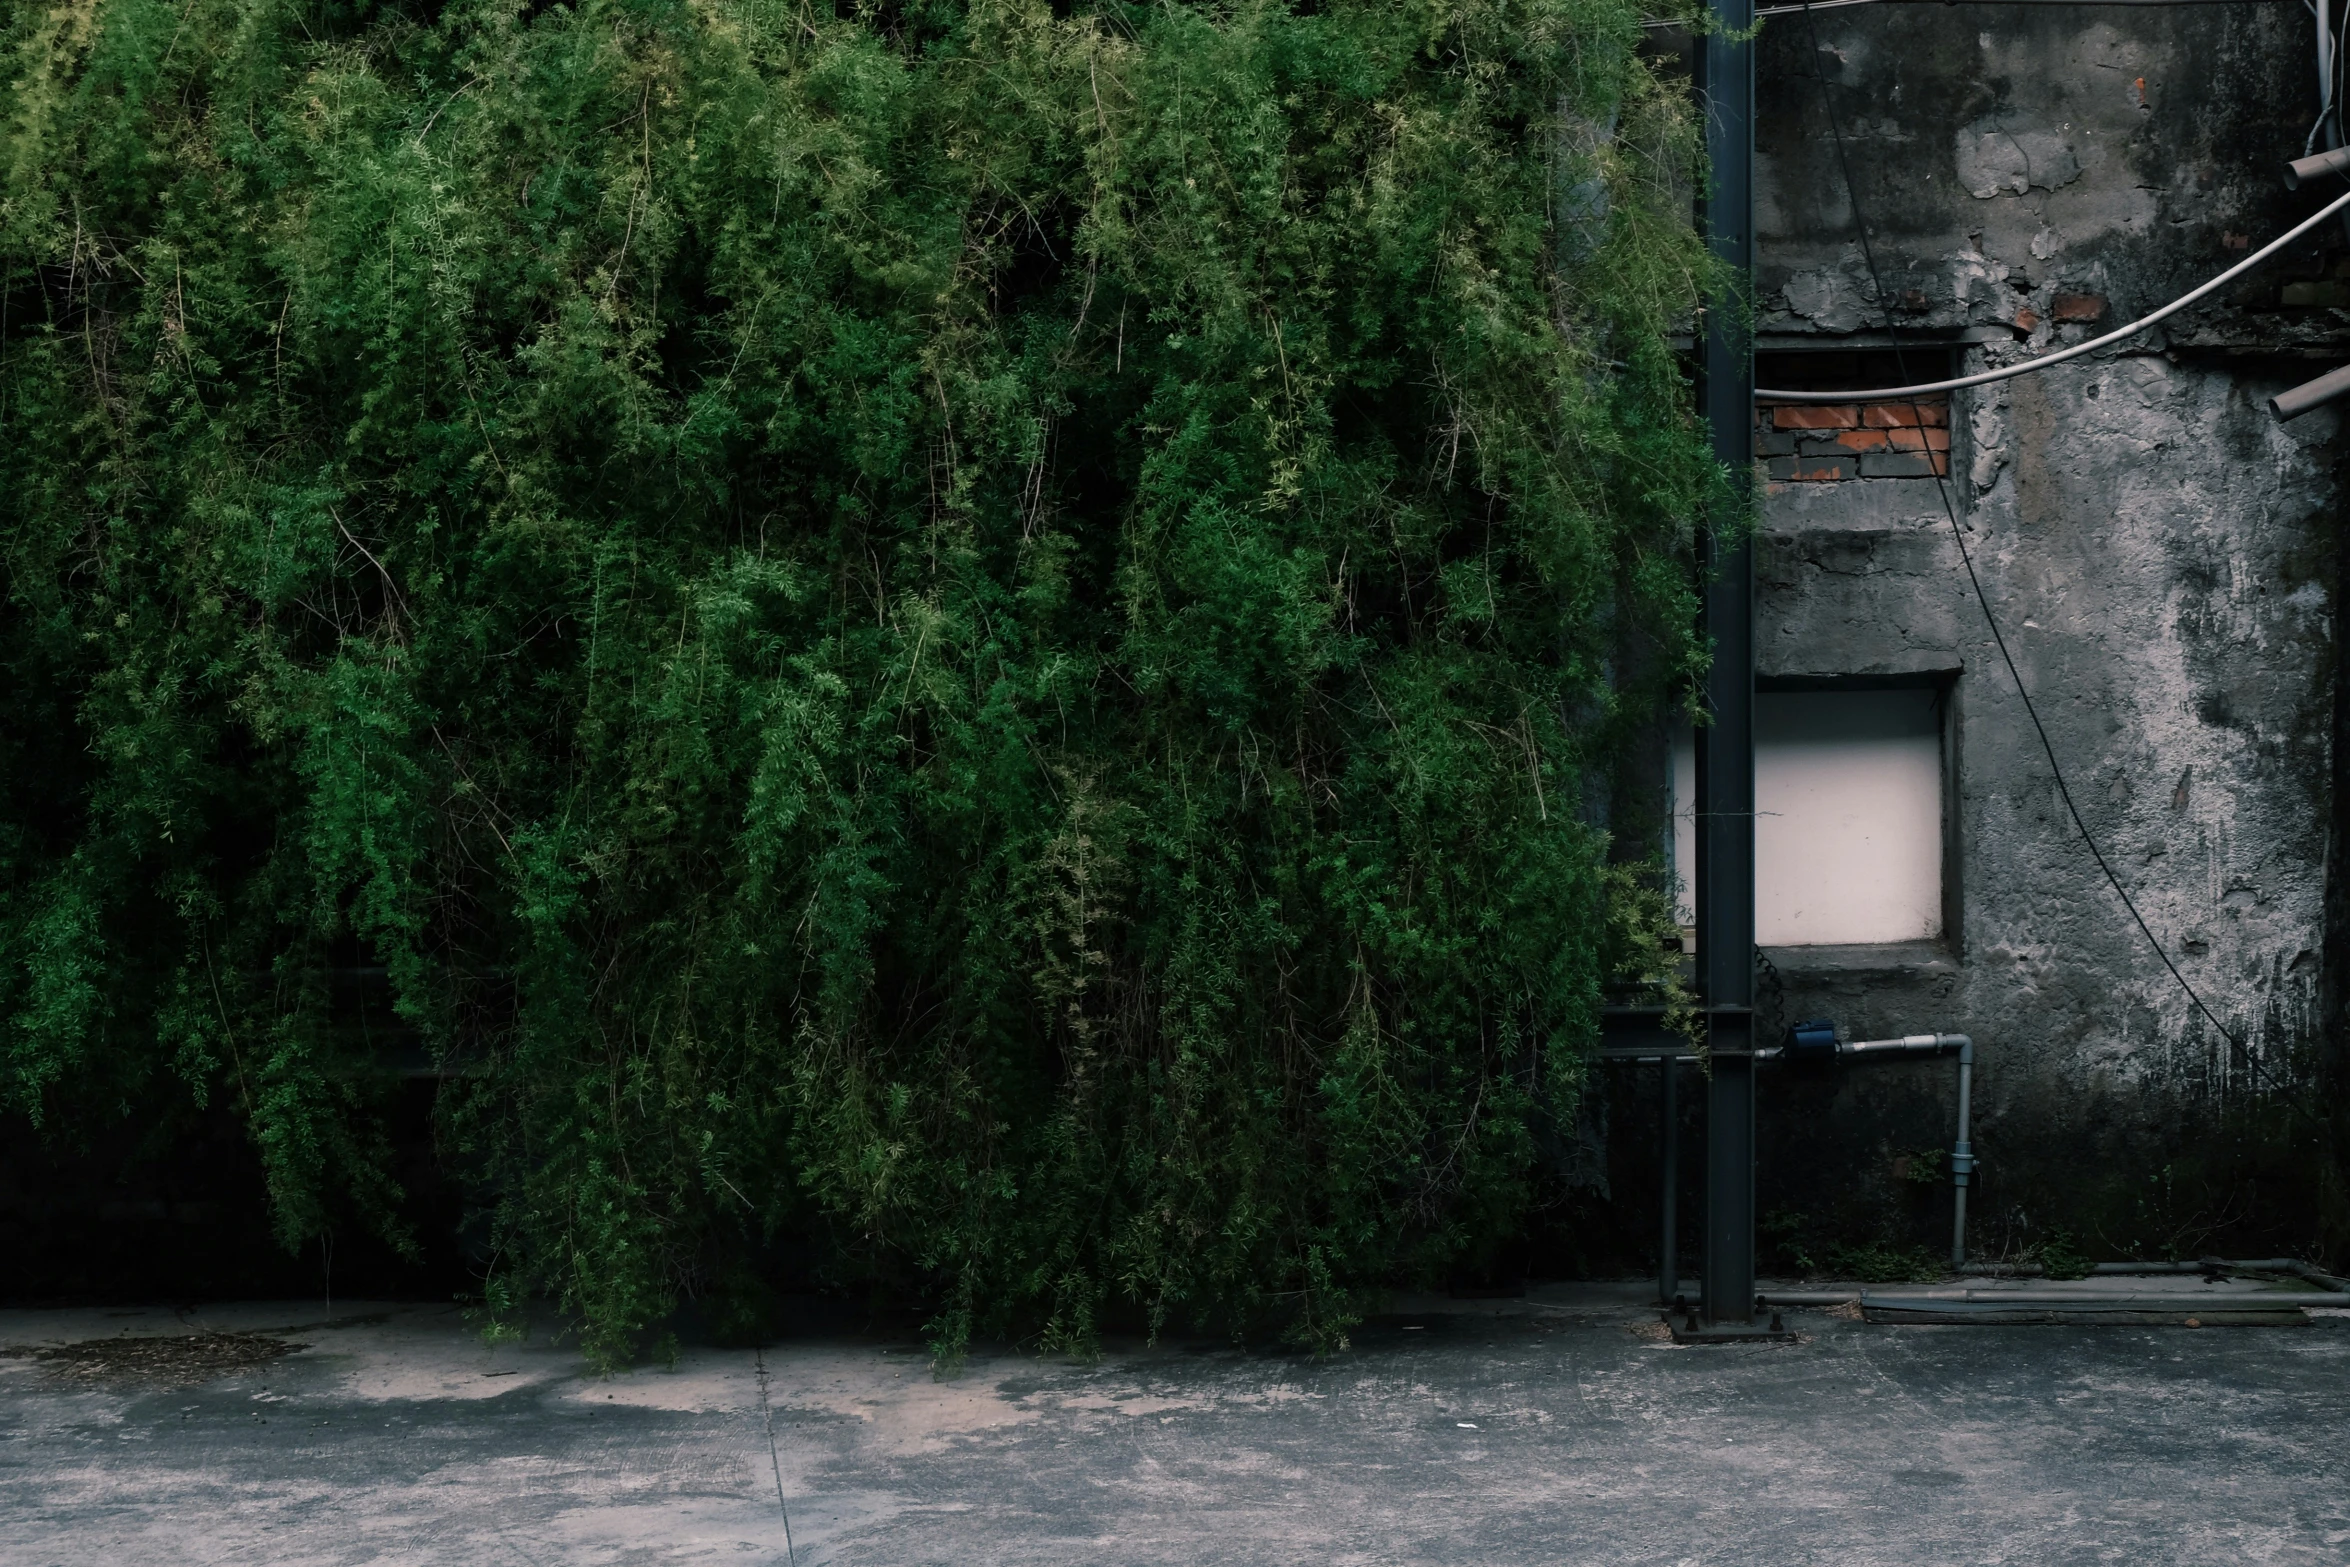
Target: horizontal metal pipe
x=1908, y=1045
x=2247, y=1264
x=2134, y=1300
x=2310, y=394
x=1638, y=1055
x=2147, y=1267
x=2293, y=1265
x=2316, y=167
x=1989, y=1313
x=2334, y=1286
x=2231, y=1298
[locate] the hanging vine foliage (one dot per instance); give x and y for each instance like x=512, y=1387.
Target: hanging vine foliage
x=979, y=632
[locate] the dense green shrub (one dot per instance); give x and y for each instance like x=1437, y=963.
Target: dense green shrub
x=982, y=632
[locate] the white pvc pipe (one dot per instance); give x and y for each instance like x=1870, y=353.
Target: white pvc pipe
x=1962, y=1152
x=2310, y=394
x=1894, y=393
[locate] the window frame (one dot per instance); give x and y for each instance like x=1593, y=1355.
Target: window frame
x=1944, y=684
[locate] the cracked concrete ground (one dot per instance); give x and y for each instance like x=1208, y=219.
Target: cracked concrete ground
x=1552, y=1430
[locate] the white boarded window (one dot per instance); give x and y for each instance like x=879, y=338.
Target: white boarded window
x=1848, y=817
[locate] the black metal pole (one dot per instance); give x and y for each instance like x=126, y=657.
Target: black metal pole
x=1668, y=1268
x=1725, y=746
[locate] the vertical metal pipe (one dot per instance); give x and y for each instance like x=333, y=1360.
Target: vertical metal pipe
x=2327, y=134
x=2325, y=73
x=1725, y=745
x=1668, y=1268
x=1962, y=1156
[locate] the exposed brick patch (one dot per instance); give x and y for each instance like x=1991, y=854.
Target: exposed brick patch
x=1827, y=443
x=2078, y=307
x=1918, y=440
x=2026, y=319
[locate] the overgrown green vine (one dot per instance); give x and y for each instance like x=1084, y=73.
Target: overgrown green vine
x=982, y=632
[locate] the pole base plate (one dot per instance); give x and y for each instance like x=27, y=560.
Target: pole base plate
x=1691, y=1331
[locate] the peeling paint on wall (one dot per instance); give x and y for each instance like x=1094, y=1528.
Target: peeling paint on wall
x=1992, y=158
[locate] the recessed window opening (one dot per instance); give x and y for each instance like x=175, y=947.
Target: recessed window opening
x=1853, y=369
x=1848, y=831
x=1831, y=443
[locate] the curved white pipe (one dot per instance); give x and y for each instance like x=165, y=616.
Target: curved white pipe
x=1893, y=393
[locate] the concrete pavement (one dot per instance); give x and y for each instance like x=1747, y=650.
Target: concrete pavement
x=1558, y=1429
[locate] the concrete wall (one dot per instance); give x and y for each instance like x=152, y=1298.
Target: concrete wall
x=2161, y=555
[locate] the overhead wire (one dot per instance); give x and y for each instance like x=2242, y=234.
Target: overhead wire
x=1940, y=466
x=1894, y=394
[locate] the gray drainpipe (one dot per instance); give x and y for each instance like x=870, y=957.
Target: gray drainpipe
x=1962, y=1153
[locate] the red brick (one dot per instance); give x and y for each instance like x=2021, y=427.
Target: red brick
x=1918, y=440
x=1861, y=440
x=1816, y=416
x=1890, y=416
x=2078, y=307
x=2026, y=319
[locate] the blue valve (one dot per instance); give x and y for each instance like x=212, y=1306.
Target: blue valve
x=1814, y=1040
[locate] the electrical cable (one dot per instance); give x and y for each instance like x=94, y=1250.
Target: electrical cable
x=1942, y=486
x=1894, y=394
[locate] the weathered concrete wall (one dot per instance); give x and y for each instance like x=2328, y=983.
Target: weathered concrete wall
x=2160, y=554
x=2006, y=155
